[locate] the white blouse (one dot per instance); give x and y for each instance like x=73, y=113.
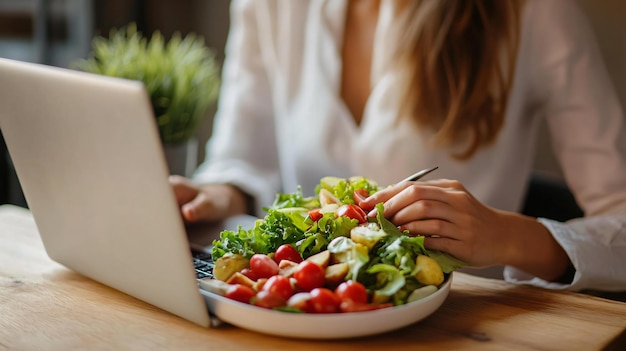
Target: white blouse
x=281, y=123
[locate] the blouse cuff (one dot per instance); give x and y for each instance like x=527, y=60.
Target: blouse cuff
x=560, y=233
x=590, y=244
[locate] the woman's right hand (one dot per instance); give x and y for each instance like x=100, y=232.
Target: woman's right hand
x=206, y=203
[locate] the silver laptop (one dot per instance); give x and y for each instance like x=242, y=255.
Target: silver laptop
x=88, y=156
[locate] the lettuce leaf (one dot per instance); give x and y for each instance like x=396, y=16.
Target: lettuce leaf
x=296, y=199
x=343, y=189
x=284, y=226
x=448, y=263
x=277, y=228
x=347, y=251
x=402, y=250
x=389, y=280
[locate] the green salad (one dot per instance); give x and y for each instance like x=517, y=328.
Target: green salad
x=390, y=264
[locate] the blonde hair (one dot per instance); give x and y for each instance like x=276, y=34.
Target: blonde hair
x=461, y=56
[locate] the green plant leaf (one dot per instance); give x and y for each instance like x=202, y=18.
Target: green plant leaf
x=181, y=75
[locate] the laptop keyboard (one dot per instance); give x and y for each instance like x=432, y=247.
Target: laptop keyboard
x=203, y=263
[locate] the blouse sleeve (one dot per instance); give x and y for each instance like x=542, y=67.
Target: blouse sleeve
x=242, y=148
x=588, y=132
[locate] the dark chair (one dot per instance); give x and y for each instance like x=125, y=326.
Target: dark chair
x=4, y=172
x=549, y=197
x=10, y=189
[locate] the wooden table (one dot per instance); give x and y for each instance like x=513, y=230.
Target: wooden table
x=45, y=306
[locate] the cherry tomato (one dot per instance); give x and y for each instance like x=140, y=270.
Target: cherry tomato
x=324, y=301
x=287, y=252
x=315, y=215
x=309, y=276
x=268, y=299
x=352, y=211
x=250, y=274
x=352, y=306
x=360, y=195
x=240, y=292
x=279, y=285
x=301, y=301
x=353, y=291
x=263, y=266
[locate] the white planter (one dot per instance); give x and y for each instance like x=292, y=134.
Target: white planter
x=182, y=159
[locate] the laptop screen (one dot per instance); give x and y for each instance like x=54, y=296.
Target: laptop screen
x=88, y=156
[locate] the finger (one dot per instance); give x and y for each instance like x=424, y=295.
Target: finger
x=445, y=183
x=184, y=191
x=431, y=227
x=201, y=208
x=459, y=250
x=443, y=244
x=383, y=195
x=391, y=191
x=454, y=248
x=414, y=193
x=419, y=198
x=421, y=210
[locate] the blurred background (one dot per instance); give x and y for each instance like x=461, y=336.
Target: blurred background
x=58, y=32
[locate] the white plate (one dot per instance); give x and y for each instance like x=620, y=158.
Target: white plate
x=325, y=326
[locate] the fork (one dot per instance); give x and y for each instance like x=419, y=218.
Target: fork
x=418, y=175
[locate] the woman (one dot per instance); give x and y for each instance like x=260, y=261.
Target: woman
x=383, y=88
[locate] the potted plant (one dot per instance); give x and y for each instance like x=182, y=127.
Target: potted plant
x=180, y=75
